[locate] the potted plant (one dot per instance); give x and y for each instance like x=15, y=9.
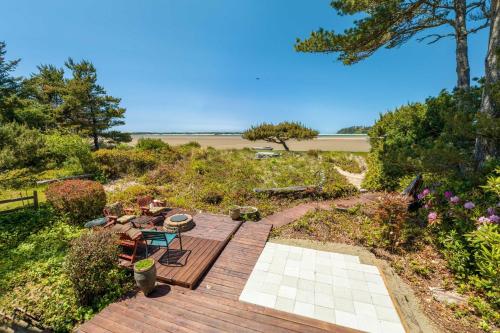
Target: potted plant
x=234, y=212
x=145, y=275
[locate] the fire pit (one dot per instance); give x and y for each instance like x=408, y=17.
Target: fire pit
x=181, y=222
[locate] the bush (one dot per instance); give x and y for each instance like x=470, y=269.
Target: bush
x=92, y=266
x=114, y=163
x=160, y=176
x=80, y=200
x=151, y=144
x=70, y=151
x=391, y=214
x=21, y=147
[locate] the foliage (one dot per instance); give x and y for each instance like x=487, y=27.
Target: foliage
x=92, y=266
x=144, y=264
x=391, y=215
x=9, y=85
x=436, y=137
x=280, y=133
x=32, y=271
x=151, y=144
x=354, y=130
x=116, y=162
x=20, y=147
x=214, y=180
x=346, y=162
x=391, y=24
x=80, y=200
x=69, y=151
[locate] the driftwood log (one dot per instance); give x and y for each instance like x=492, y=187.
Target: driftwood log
x=289, y=190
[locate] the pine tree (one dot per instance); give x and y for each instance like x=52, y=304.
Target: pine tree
x=86, y=106
x=280, y=133
x=9, y=86
x=391, y=23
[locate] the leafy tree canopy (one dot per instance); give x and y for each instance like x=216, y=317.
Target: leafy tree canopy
x=354, y=130
x=280, y=133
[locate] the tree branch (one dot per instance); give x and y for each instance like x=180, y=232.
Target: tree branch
x=436, y=37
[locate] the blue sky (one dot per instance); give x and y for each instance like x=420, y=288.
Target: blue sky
x=191, y=65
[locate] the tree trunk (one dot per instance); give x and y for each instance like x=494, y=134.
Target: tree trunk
x=489, y=106
x=284, y=145
x=96, y=140
x=462, y=51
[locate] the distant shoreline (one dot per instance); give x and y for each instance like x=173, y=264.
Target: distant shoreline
x=325, y=142
x=228, y=134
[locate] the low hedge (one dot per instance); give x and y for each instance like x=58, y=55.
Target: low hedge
x=80, y=200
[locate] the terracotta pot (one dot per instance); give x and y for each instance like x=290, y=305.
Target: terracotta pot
x=146, y=279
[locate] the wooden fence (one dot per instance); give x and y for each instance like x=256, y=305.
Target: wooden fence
x=23, y=199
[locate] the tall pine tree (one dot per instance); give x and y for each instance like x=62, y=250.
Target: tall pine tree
x=86, y=106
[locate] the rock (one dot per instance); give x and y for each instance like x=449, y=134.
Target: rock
x=447, y=297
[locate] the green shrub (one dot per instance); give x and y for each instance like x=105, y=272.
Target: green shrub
x=114, y=163
x=162, y=175
x=151, y=144
x=21, y=147
x=71, y=151
x=80, y=200
x=92, y=266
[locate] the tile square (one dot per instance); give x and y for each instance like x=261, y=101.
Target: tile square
x=324, y=300
x=307, y=285
x=287, y=292
x=277, y=268
x=323, y=278
x=273, y=278
x=269, y=288
x=359, y=285
x=355, y=275
x=339, y=272
x=325, y=314
x=376, y=288
x=305, y=296
x=382, y=300
x=342, y=292
x=285, y=304
x=345, y=319
x=344, y=304
x=306, y=274
x=362, y=296
x=290, y=281
x=351, y=259
x=390, y=327
x=295, y=255
x=369, y=269
x=387, y=314
x=325, y=269
x=304, y=309
x=292, y=271
x=258, y=298
x=325, y=288
x=365, y=309
x=341, y=282
x=375, y=278
x=368, y=324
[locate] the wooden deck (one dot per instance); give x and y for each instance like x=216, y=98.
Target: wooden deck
x=213, y=306
x=201, y=247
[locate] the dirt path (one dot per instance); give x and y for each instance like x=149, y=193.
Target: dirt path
x=355, y=178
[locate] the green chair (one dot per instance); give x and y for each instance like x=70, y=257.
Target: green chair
x=160, y=239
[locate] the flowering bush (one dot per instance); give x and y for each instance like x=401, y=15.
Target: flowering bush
x=80, y=200
x=391, y=214
x=469, y=233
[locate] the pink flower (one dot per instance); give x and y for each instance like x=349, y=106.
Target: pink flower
x=483, y=220
x=426, y=192
x=454, y=199
x=448, y=195
x=491, y=211
x=469, y=205
x=432, y=217
x=495, y=218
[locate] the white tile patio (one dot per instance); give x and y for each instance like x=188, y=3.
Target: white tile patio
x=331, y=287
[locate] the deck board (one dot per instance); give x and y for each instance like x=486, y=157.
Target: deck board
x=213, y=306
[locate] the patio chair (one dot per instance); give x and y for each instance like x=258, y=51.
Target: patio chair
x=117, y=213
x=150, y=206
x=160, y=239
